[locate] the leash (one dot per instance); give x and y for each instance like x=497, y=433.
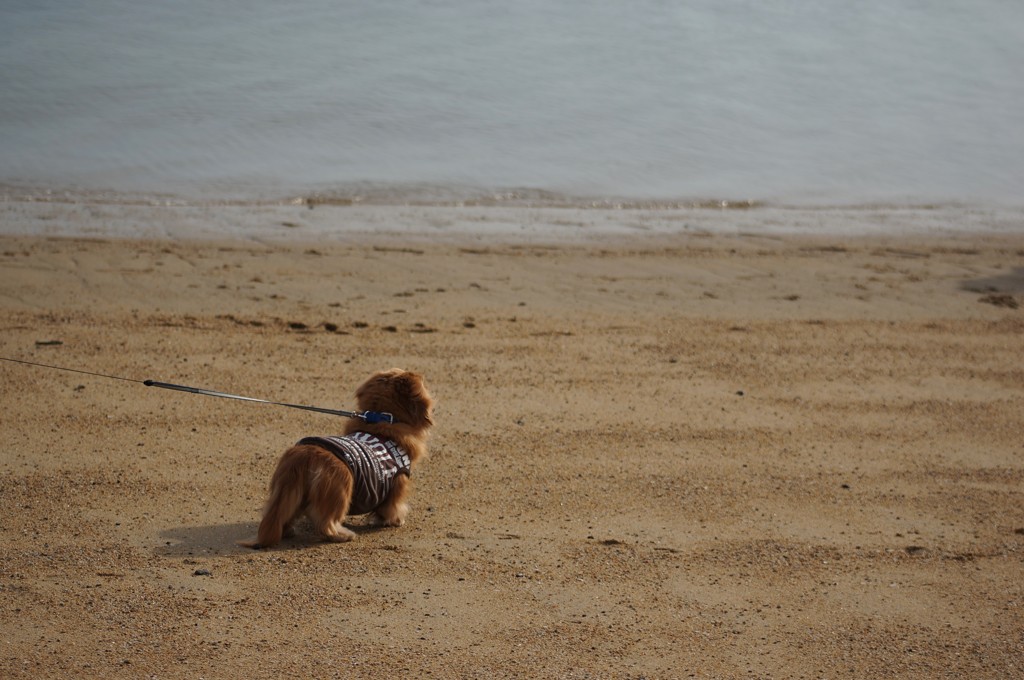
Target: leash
x=370, y=417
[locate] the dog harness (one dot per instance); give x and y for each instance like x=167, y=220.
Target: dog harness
x=374, y=463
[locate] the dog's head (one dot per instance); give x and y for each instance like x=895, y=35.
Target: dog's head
x=403, y=394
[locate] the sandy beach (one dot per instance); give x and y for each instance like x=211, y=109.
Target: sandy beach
x=693, y=455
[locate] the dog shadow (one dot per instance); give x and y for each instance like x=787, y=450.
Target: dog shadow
x=214, y=540
x=205, y=541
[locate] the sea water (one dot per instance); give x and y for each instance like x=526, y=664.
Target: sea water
x=559, y=101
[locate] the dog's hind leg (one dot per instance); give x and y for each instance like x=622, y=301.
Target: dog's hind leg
x=330, y=495
x=287, y=497
x=282, y=508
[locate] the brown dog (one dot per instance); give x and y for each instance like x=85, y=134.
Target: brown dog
x=366, y=470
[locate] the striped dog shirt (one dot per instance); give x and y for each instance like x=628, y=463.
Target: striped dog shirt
x=374, y=463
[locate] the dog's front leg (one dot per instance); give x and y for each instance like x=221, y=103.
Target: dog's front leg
x=394, y=509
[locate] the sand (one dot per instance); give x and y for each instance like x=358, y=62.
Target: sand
x=711, y=456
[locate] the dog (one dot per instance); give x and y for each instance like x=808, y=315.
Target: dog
x=367, y=470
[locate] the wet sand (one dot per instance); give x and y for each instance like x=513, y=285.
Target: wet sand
x=713, y=456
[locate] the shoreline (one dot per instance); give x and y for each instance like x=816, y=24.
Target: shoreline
x=713, y=454
x=549, y=220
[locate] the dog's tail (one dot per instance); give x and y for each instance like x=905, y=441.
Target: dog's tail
x=287, y=495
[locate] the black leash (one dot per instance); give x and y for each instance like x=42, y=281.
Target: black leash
x=369, y=417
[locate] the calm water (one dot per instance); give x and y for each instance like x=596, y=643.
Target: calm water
x=829, y=102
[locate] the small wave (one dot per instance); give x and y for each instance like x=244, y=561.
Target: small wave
x=439, y=196
x=514, y=197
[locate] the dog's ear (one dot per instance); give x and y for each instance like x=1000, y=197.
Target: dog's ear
x=376, y=386
x=414, y=397
x=364, y=390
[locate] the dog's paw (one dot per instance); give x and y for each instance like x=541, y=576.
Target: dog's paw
x=339, y=534
x=391, y=516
